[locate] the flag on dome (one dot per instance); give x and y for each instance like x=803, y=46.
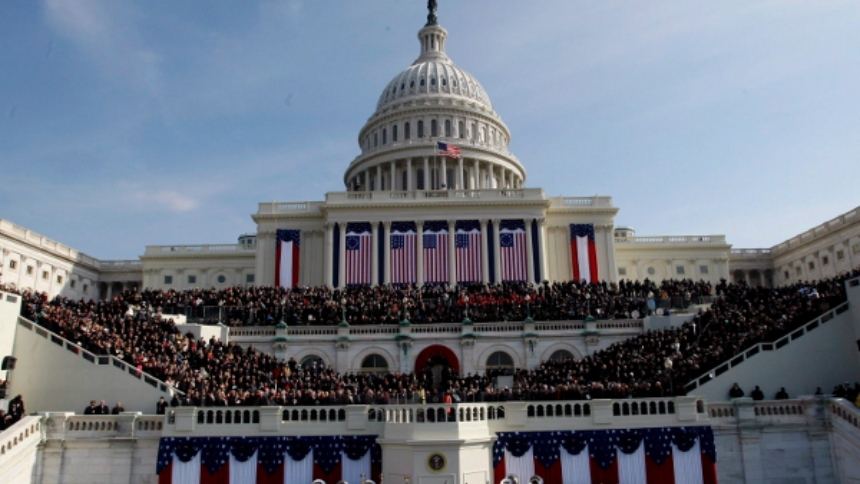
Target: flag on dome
x=583, y=252
x=287, y=258
x=467, y=243
x=267, y=460
x=435, y=252
x=448, y=150
x=655, y=455
x=359, y=250
x=404, y=243
x=512, y=250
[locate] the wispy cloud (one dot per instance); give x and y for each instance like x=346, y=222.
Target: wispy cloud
x=170, y=200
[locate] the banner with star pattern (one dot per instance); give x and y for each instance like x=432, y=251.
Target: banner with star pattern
x=267, y=460
x=641, y=456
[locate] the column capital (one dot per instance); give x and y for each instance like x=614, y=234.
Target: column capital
x=387, y=224
x=419, y=224
x=451, y=223
x=529, y=220
x=483, y=222
x=496, y=222
x=328, y=225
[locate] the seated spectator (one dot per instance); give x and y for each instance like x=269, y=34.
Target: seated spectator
x=757, y=394
x=736, y=392
x=782, y=394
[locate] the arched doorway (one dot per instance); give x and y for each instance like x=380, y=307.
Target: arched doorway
x=436, y=350
x=439, y=364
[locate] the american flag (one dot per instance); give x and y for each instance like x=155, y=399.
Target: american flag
x=447, y=150
x=467, y=240
x=436, y=252
x=359, y=249
x=512, y=244
x=404, y=243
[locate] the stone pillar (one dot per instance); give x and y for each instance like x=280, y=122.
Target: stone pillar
x=387, y=259
x=542, y=249
x=341, y=267
x=497, y=261
x=530, y=251
x=443, y=175
x=393, y=176
x=328, y=258
x=374, y=255
x=485, y=256
x=426, y=173
x=475, y=175
x=378, y=177
x=419, y=250
x=452, y=254
x=460, y=185
x=409, y=184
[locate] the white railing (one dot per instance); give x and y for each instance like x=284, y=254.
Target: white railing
x=580, y=202
x=815, y=232
x=24, y=432
x=400, y=196
x=672, y=239
x=751, y=253
x=95, y=359
x=845, y=411
x=196, y=249
x=736, y=360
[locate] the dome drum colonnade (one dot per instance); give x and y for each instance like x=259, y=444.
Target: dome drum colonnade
x=433, y=100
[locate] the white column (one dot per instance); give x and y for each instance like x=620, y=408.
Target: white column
x=460, y=174
x=387, y=269
x=476, y=184
x=485, y=256
x=393, y=176
x=419, y=251
x=542, y=250
x=341, y=267
x=374, y=256
x=426, y=173
x=379, y=177
x=409, y=184
x=452, y=254
x=497, y=260
x=530, y=251
x=328, y=259
x=443, y=175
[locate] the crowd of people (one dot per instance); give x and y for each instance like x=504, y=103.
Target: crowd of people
x=210, y=372
x=389, y=304
x=13, y=413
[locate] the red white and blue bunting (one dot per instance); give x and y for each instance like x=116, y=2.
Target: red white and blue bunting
x=267, y=460
x=639, y=456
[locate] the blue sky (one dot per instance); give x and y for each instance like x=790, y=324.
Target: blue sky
x=125, y=124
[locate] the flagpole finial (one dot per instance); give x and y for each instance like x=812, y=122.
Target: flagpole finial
x=431, y=15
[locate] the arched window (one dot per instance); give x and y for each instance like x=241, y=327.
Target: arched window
x=432, y=81
x=422, y=82
x=308, y=362
x=404, y=180
x=561, y=355
x=444, y=81
x=421, y=129
x=384, y=136
x=484, y=134
x=420, y=179
x=402, y=86
x=374, y=364
x=406, y=131
x=500, y=361
x=461, y=128
x=411, y=84
x=434, y=128
x=474, y=131
x=447, y=128
x=394, y=133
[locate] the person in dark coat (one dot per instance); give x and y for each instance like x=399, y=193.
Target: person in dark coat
x=736, y=392
x=161, y=406
x=91, y=410
x=757, y=394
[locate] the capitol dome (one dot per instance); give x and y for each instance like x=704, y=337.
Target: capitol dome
x=430, y=102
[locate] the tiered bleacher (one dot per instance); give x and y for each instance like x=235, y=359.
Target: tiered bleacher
x=132, y=327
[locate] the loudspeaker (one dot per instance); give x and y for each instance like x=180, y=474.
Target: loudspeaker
x=9, y=363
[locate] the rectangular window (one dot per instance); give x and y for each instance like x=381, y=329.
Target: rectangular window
x=13, y=264
x=855, y=248
x=825, y=260
x=811, y=265
x=73, y=283
x=798, y=270
x=622, y=271
x=703, y=269
x=840, y=255
x=168, y=279
x=679, y=270
x=461, y=130
x=249, y=278
x=44, y=275
x=786, y=274
x=59, y=279
x=394, y=133
x=29, y=270
x=192, y=279
x=86, y=288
